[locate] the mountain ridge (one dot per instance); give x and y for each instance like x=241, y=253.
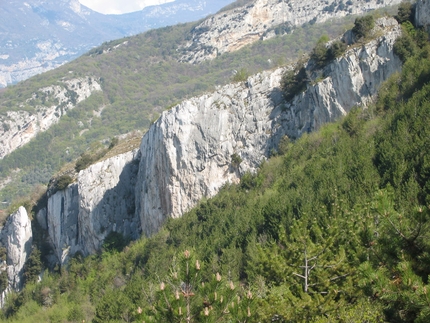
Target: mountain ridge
x=226, y=32
x=41, y=35
x=252, y=115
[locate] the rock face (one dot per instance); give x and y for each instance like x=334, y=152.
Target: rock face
x=231, y=30
x=16, y=237
x=18, y=127
x=188, y=152
x=101, y=201
x=422, y=14
x=351, y=80
x=193, y=149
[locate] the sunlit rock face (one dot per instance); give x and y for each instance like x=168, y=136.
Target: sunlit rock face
x=201, y=144
x=16, y=237
x=190, y=151
x=351, y=80
x=261, y=19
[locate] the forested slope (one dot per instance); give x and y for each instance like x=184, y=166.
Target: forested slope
x=333, y=229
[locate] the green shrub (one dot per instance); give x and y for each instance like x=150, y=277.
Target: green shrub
x=248, y=181
x=336, y=49
x=405, y=47
x=33, y=266
x=62, y=182
x=363, y=26
x=83, y=162
x=114, y=241
x=241, y=75
x=113, y=142
x=3, y=253
x=75, y=314
x=4, y=280
x=293, y=82
x=405, y=12
x=235, y=160
x=320, y=54
x=283, y=145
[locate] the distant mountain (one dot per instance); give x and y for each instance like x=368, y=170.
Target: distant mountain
x=39, y=35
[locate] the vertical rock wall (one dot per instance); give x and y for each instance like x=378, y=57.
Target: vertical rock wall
x=16, y=237
x=351, y=80
x=101, y=201
x=188, y=152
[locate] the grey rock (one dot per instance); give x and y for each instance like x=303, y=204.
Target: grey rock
x=19, y=126
x=16, y=237
x=187, y=153
x=351, y=80
x=231, y=30
x=422, y=14
x=79, y=217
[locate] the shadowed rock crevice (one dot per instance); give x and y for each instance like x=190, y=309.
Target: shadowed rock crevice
x=101, y=201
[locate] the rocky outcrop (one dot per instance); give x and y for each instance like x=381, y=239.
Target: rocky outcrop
x=205, y=142
x=16, y=237
x=231, y=30
x=101, y=200
x=50, y=103
x=422, y=14
x=351, y=80
x=187, y=153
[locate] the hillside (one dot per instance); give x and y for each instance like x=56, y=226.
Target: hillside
x=37, y=36
x=117, y=191
x=134, y=92
x=333, y=228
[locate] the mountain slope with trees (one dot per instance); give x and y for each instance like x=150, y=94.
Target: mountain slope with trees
x=333, y=229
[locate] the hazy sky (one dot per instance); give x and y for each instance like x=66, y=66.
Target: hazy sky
x=120, y=6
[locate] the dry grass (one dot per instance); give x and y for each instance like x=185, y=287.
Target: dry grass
x=126, y=143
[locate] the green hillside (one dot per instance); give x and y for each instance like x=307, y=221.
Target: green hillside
x=140, y=79
x=334, y=229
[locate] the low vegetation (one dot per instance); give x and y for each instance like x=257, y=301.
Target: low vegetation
x=363, y=27
x=294, y=81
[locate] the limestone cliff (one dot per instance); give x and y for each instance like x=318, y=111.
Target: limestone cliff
x=351, y=80
x=16, y=237
x=224, y=32
x=101, y=200
x=193, y=149
x=50, y=103
x=188, y=152
x=231, y=30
